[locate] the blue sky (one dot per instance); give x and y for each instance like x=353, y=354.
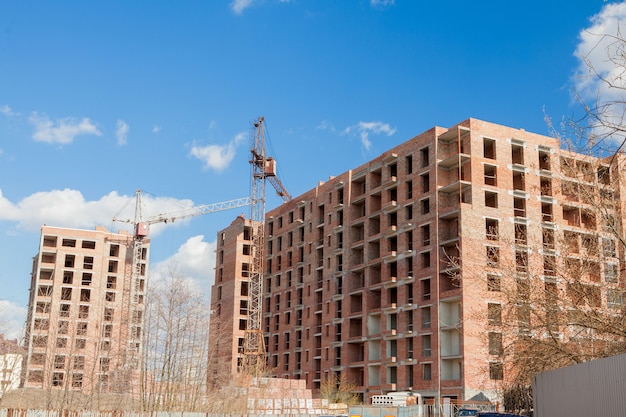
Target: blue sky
x=98, y=99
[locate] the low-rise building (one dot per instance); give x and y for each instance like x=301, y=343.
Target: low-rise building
x=11, y=357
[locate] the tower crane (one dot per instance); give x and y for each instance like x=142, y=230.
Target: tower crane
x=263, y=169
x=141, y=228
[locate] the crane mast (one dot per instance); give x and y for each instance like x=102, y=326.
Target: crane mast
x=133, y=342
x=263, y=169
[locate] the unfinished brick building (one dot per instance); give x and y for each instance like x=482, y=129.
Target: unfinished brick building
x=229, y=300
x=85, y=315
x=397, y=273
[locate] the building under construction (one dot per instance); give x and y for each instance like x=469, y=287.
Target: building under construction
x=230, y=300
x=396, y=274
x=85, y=316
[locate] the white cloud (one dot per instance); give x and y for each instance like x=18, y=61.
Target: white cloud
x=194, y=260
x=8, y=211
x=12, y=319
x=599, y=78
x=364, y=129
x=156, y=129
x=68, y=208
x=61, y=131
x=6, y=110
x=217, y=157
x=596, y=45
x=121, y=132
x=239, y=6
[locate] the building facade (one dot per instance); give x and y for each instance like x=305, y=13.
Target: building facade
x=85, y=316
x=397, y=274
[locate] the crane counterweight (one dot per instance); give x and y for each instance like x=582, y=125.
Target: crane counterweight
x=142, y=229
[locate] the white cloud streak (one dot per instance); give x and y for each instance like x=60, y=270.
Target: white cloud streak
x=121, y=132
x=62, y=131
x=217, y=157
x=239, y=6
x=6, y=110
x=365, y=129
x=382, y=3
x=325, y=125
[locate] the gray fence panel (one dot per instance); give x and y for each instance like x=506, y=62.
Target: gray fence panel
x=595, y=388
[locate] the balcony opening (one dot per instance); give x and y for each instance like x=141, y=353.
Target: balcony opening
x=424, y=157
x=491, y=229
x=517, y=154
x=521, y=234
x=425, y=289
x=548, y=239
x=490, y=172
x=544, y=160
x=88, y=244
x=493, y=282
x=489, y=148
x=519, y=207
x=546, y=212
x=571, y=216
x=425, y=183
x=519, y=181
x=69, y=243
x=493, y=256
x=604, y=175
x=491, y=199
x=546, y=186
x=549, y=265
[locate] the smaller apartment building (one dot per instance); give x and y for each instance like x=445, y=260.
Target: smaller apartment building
x=85, y=315
x=392, y=273
x=230, y=300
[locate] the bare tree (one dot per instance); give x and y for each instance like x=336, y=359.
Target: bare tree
x=338, y=389
x=176, y=345
x=555, y=294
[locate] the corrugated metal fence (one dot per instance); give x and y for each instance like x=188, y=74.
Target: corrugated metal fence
x=595, y=388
